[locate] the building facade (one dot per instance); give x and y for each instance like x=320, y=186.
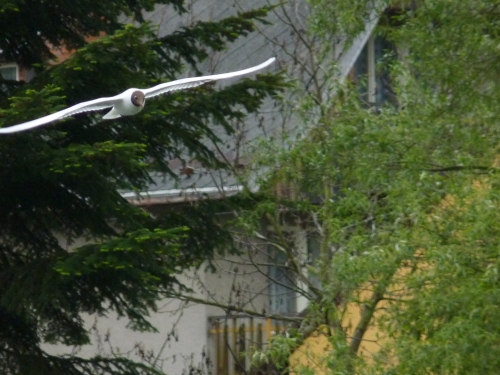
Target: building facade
x=198, y=333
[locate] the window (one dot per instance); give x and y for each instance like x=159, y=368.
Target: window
x=9, y=72
x=370, y=71
x=282, y=296
x=313, y=254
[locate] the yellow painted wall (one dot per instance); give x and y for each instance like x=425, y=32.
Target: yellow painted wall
x=316, y=347
x=312, y=352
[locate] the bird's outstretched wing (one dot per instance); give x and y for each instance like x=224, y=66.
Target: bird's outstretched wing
x=102, y=103
x=91, y=105
x=197, y=81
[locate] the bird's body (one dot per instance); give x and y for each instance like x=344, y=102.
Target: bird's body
x=131, y=101
x=128, y=103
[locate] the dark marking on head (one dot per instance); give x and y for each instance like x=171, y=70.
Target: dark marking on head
x=138, y=98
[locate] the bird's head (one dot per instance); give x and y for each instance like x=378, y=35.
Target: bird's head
x=138, y=99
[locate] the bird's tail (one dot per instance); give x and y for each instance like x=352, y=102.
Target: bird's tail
x=111, y=114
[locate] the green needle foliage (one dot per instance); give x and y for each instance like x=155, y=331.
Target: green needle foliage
x=59, y=183
x=405, y=198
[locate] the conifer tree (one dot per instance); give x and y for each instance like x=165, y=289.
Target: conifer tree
x=59, y=184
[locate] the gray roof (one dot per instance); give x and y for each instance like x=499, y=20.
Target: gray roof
x=279, y=39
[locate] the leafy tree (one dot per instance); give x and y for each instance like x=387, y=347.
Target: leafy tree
x=60, y=183
x=402, y=197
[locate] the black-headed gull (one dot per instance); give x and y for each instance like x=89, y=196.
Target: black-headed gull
x=131, y=101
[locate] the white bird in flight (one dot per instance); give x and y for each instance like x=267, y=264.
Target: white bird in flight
x=131, y=101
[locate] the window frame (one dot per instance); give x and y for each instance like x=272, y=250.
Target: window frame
x=11, y=65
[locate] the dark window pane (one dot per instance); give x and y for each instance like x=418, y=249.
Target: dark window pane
x=8, y=72
x=282, y=284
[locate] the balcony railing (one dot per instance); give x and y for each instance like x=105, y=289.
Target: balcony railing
x=235, y=339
